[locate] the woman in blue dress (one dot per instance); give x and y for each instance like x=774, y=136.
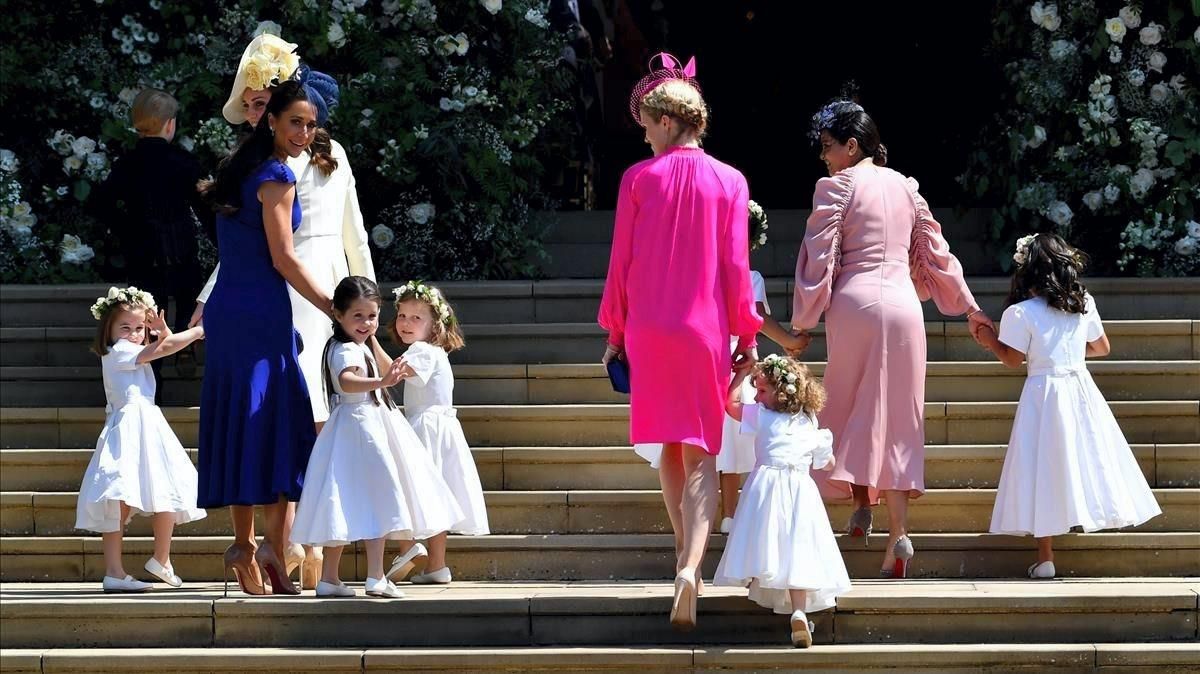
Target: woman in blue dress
x=256, y=425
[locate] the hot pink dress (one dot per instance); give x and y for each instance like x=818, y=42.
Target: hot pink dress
x=872, y=252
x=678, y=287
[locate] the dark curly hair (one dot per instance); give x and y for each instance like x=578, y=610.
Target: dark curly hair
x=1051, y=269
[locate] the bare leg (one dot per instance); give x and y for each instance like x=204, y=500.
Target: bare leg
x=671, y=477
x=862, y=496
x=897, y=505
x=799, y=598
x=437, y=552
x=699, y=504
x=730, y=484
x=1045, y=549
x=277, y=526
x=330, y=564
x=243, y=524
x=113, y=566
x=164, y=525
x=374, y=557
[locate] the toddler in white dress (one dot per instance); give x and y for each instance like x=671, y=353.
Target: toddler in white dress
x=139, y=467
x=369, y=478
x=426, y=324
x=1068, y=463
x=781, y=545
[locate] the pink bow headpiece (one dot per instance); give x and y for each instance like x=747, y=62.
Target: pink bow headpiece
x=669, y=69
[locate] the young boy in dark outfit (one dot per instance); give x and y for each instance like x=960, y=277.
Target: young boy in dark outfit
x=150, y=204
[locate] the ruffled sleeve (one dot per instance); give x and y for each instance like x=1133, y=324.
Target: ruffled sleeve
x=820, y=255
x=123, y=355
x=1092, y=325
x=760, y=290
x=274, y=170
x=423, y=359
x=1014, y=329
x=935, y=271
x=822, y=444
x=734, y=264
x=614, y=303
x=345, y=357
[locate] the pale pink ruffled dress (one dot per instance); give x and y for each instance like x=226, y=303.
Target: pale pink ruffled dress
x=872, y=252
x=678, y=288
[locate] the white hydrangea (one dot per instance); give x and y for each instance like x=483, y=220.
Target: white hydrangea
x=1059, y=213
x=1093, y=200
x=537, y=18
x=1061, y=49
x=83, y=146
x=1140, y=183
x=1111, y=193
x=1136, y=77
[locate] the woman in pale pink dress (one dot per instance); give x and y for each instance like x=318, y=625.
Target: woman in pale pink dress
x=872, y=252
x=678, y=288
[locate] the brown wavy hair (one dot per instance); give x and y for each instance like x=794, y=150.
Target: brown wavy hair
x=1052, y=269
x=102, y=342
x=321, y=152
x=809, y=395
x=447, y=335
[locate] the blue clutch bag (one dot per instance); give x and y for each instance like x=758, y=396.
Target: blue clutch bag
x=618, y=374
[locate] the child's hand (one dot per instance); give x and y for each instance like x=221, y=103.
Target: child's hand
x=199, y=331
x=156, y=321
x=393, y=374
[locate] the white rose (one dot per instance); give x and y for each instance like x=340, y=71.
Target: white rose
x=492, y=6
x=1115, y=28
x=790, y=388
x=97, y=160
x=268, y=28
x=421, y=213
x=446, y=104
x=1111, y=193
x=8, y=161
x=1151, y=34
x=1136, y=77
x=1060, y=213
x=382, y=236
x=1157, y=61
x=74, y=251
x=336, y=35
x=1039, y=137
x=461, y=44
x=1178, y=83
x=1093, y=200
x=1114, y=54
x=1037, y=13
x=1193, y=229
x=1196, y=35
x=1141, y=182
x=1130, y=16
x=1159, y=93
x=113, y=292
x=72, y=164
x=1051, y=21
x=83, y=146
x=1186, y=246
x=791, y=378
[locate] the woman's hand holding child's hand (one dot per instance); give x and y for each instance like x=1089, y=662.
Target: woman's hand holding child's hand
x=831, y=465
x=799, y=343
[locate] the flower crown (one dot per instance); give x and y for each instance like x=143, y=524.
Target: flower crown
x=131, y=296
x=429, y=295
x=758, y=226
x=776, y=368
x=1022, y=253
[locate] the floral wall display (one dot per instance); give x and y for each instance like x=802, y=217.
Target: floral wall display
x=1098, y=135
x=445, y=109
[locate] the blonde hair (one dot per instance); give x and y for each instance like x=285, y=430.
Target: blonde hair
x=679, y=100
x=446, y=332
x=152, y=109
x=103, y=341
x=806, y=394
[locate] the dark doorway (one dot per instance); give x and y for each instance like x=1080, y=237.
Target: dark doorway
x=767, y=65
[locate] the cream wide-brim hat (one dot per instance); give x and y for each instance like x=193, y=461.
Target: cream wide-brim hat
x=233, y=111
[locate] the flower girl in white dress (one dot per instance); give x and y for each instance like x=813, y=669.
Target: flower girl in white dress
x=426, y=324
x=1068, y=463
x=369, y=478
x=138, y=467
x=781, y=544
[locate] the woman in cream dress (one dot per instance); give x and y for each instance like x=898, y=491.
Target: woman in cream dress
x=331, y=241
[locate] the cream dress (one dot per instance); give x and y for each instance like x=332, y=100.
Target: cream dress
x=331, y=244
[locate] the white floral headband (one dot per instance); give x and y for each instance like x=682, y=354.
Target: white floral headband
x=429, y=295
x=758, y=225
x=131, y=296
x=1022, y=253
x=775, y=366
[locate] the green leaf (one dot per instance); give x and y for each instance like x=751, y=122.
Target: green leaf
x=82, y=189
x=1175, y=153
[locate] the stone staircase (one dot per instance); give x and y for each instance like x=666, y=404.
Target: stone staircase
x=576, y=575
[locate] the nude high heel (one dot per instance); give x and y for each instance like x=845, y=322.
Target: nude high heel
x=310, y=569
x=239, y=560
x=274, y=569
x=683, y=606
x=903, y=551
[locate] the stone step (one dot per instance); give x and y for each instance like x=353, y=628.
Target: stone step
x=576, y=468
x=577, y=300
x=542, y=557
x=1143, y=422
x=595, y=512
x=1097, y=658
x=621, y=614
x=589, y=383
x=554, y=343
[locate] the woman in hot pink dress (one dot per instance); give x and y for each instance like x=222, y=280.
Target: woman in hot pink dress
x=678, y=287
x=872, y=252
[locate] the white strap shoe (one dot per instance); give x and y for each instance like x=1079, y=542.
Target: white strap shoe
x=1041, y=571
x=440, y=577
x=727, y=525
x=164, y=573
x=123, y=585
x=382, y=587
x=334, y=590
x=403, y=565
